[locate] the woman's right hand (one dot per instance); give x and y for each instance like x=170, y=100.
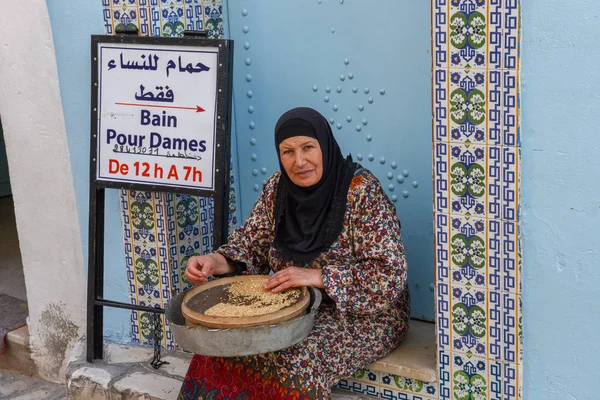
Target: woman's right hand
x=200, y=268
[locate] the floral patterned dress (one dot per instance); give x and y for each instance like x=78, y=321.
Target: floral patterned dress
x=364, y=273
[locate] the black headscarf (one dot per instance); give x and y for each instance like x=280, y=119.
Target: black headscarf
x=309, y=219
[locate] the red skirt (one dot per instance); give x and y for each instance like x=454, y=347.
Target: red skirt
x=229, y=379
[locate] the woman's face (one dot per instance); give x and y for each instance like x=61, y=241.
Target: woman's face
x=302, y=160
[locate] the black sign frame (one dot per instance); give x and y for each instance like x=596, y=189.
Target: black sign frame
x=221, y=180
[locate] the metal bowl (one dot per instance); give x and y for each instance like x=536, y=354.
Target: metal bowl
x=246, y=341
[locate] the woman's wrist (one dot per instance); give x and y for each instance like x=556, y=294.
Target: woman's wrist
x=222, y=267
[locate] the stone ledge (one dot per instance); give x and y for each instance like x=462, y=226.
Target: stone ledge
x=415, y=357
x=17, y=357
x=126, y=374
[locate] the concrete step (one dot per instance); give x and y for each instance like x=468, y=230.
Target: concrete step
x=14, y=386
x=125, y=374
x=17, y=357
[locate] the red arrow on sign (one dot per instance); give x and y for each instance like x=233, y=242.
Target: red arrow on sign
x=197, y=108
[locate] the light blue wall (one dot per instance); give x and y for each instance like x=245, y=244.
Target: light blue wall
x=560, y=199
x=71, y=29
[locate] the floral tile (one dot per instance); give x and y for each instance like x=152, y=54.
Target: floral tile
x=213, y=18
x=468, y=179
x=129, y=17
x=510, y=108
x=168, y=18
x=472, y=378
x=474, y=106
x=511, y=274
x=512, y=33
x=147, y=259
x=511, y=327
x=397, y=387
x=474, y=34
x=469, y=320
x=473, y=248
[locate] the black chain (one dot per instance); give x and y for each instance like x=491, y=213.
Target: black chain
x=157, y=328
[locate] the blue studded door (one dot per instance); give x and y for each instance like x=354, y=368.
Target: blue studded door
x=366, y=66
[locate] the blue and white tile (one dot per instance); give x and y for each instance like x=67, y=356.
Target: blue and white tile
x=511, y=328
x=441, y=94
x=441, y=33
x=441, y=178
x=445, y=374
x=442, y=246
x=444, y=329
x=512, y=388
x=510, y=107
x=511, y=274
x=510, y=183
x=107, y=17
x=512, y=34
x=193, y=10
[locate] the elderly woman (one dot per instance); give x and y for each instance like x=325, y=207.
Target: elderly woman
x=325, y=222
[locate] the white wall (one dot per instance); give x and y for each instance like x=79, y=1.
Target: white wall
x=42, y=185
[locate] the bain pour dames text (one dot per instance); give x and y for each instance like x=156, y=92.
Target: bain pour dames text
x=155, y=144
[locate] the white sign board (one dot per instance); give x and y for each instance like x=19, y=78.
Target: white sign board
x=157, y=114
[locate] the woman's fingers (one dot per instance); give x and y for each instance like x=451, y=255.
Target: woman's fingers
x=198, y=269
x=294, y=277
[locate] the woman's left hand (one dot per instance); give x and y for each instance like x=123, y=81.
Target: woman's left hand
x=295, y=277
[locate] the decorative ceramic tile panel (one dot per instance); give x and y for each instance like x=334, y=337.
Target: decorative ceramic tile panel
x=363, y=381
x=445, y=377
x=474, y=106
x=474, y=251
x=510, y=257
x=469, y=320
x=474, y=34
x=471, y=184
x=476, y=156
x=395, y=387
x=472, y=378
x=511, y=33
x=183, y=225
x=443, y=315
x=147, y=257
